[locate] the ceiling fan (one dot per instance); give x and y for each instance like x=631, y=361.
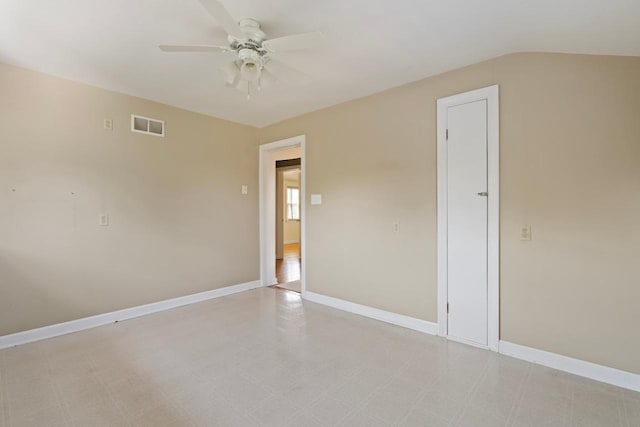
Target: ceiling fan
x=254, y=65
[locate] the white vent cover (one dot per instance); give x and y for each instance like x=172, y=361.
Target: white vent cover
x=146, y=125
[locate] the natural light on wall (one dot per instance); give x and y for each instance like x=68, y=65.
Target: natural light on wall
x=293, y=203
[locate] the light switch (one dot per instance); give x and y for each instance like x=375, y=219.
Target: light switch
x=316, y=199
x=108, y=124
x=103, y=220
x=245, y=189
x=525, y=233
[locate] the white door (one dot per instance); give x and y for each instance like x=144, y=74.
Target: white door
x=467, y=222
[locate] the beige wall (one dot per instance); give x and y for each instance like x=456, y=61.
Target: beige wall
x=178, y=221
x=570, y=167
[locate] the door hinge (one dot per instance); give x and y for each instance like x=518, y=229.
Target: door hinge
x=446, y=134
x=447, y=308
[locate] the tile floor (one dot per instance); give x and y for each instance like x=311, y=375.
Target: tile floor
x=294, y=286
x=265, y=358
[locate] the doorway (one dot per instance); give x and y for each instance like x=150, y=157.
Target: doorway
x=468, y=218
x=288, y=259
x=282, y=214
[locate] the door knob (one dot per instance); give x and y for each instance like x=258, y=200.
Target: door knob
x=483, y=193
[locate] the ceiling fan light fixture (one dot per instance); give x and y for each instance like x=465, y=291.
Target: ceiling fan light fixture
x=253, y=66
x=250, y=71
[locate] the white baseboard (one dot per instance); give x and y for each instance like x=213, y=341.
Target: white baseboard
x=114, y=316
x=582, y=368
x=556, y=361
x=574, y=366
x=374, y=313
x=290, y=242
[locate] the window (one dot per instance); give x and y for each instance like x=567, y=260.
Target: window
x=293, y=204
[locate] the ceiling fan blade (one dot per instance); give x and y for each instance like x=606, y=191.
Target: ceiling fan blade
x=177, y=48
x=267, y=78
x=294, y=42
x=223, y=17
x=286, y=73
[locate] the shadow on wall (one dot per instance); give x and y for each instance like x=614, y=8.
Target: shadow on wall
x=57, y=264
x=30, y=301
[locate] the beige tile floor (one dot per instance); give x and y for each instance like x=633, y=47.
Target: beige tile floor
x=265, y=358
x=294, y=286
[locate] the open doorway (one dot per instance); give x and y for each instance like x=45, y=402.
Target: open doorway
x=282, y=214
x=288, y=259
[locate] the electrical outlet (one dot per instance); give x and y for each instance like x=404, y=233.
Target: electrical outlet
x=245, y=189
x=108, y=124
x=525, y=233
x=396, y=227
x=103, y=220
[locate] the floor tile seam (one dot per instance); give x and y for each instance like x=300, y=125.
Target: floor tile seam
x=66, y=406
x=58, y=393
x=404, y=416
x=183, y=412
x=320, y=422
x=313, y=417
x=624, y=406
x=469, y=396
x=239, y=406
x=130, y=416
x=352, y=410
x=220, y=396
x=372, y=395
x=252, y=417
x=571, y=404
x=176, y=406
x=5, y=401
x=622, y=414
x=53, y=384
x=357, y=407
x=513, y=413
x=420, y=395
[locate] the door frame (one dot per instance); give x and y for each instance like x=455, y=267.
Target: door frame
x=491, y=95
x=267, y=174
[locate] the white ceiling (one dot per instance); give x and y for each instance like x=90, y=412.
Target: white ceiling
x=371, y=45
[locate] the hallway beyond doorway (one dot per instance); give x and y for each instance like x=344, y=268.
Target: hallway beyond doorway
x=288, y=268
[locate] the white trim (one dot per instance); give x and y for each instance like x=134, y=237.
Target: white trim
x=289, y=242
x=491, y=94
x=590, y=370
x=116, y=316
x=374, y=313
x=267, y=239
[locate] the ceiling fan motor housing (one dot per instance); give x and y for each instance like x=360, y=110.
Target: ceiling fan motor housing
x=247, y=55
x=251, y=29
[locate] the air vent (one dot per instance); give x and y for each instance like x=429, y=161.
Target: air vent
x=146, y=125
